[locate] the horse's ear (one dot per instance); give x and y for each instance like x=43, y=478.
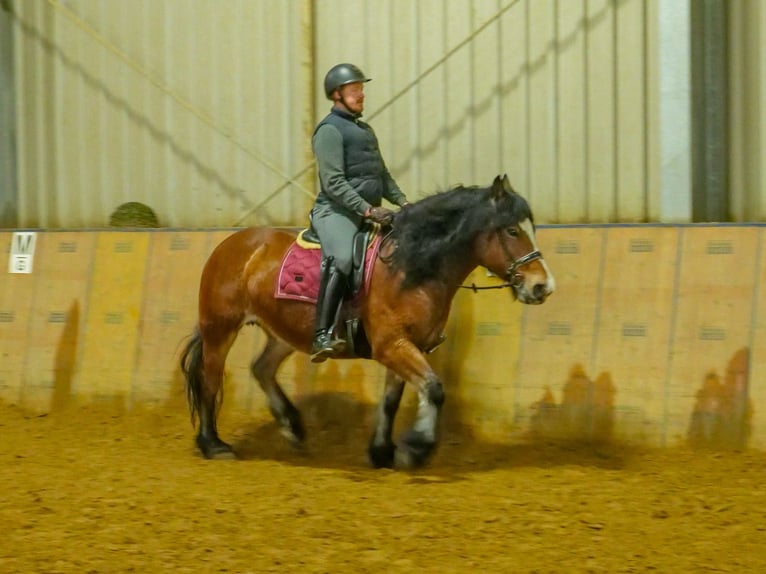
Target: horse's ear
x=507, y=184
x=498, y=189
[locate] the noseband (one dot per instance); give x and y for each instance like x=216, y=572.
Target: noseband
x=512, y=277
x=516, y=278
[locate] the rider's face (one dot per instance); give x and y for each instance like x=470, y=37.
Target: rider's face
x=352, y=97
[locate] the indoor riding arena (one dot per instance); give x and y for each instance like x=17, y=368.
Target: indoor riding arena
x=617, y=427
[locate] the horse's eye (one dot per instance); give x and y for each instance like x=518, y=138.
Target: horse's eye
x=513, y=232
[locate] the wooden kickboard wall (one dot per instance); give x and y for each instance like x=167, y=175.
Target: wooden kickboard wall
x=656, y=335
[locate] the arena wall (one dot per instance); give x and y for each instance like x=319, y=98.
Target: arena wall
x=656, y=335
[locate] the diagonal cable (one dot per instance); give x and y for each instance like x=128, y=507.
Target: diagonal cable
x=182, y=102
x=395, y=97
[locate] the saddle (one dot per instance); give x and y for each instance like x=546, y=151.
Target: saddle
x=298, y=279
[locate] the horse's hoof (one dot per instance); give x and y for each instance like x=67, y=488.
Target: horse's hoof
x=215, y=449
x=295, y=440
x=381, y=456
x=222, y=455
x=405, y=460
x=414, y=451
x=292, y=428
x=289, y=420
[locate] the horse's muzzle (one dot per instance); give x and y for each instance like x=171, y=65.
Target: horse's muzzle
x=536, y=295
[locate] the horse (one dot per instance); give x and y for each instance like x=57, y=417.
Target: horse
x=425, y=256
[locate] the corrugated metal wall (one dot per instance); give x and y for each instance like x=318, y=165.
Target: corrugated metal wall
x=747, y=82
x=552, y=92
x=8, y=191
x=203, y=109
x=195, y=107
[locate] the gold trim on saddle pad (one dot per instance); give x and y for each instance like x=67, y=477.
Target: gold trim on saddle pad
x=306, y=244
x=311, y=245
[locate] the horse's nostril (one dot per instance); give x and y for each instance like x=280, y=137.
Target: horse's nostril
x=539, y=290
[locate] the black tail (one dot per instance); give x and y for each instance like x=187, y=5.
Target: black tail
x=191, y=367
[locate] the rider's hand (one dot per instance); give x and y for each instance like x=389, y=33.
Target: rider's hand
x=380, y=215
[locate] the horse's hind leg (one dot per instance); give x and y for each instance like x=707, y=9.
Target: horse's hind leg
x=202, y=363
x=381, y=450
x=264, y=369
x=214, y=360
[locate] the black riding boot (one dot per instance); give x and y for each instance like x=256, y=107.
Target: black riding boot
x=332, y=285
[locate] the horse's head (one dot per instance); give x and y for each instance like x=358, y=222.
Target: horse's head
x=443, y=237
x=509, y=249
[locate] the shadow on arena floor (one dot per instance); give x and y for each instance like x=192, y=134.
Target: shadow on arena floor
x=338, y=429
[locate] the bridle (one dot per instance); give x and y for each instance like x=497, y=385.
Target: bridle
x=512, y=277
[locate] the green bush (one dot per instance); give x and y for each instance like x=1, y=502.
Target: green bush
x=133, y=214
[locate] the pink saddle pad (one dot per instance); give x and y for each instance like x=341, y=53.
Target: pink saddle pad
x=298, y=277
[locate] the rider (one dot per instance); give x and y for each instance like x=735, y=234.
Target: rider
x=353, y=179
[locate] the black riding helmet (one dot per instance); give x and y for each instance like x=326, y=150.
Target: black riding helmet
x=340, y=75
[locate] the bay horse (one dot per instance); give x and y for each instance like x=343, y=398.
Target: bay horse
x=431, y=248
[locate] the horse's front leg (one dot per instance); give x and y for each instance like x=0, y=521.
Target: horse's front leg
x=381, y=450
x=408, y=363
x=419, y=443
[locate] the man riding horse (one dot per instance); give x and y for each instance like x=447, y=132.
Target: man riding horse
x=353, y=179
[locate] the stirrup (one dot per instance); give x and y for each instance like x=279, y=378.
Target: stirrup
x=324, y=347
x=322, y=355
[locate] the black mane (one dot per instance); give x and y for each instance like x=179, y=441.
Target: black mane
x=442, y=227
